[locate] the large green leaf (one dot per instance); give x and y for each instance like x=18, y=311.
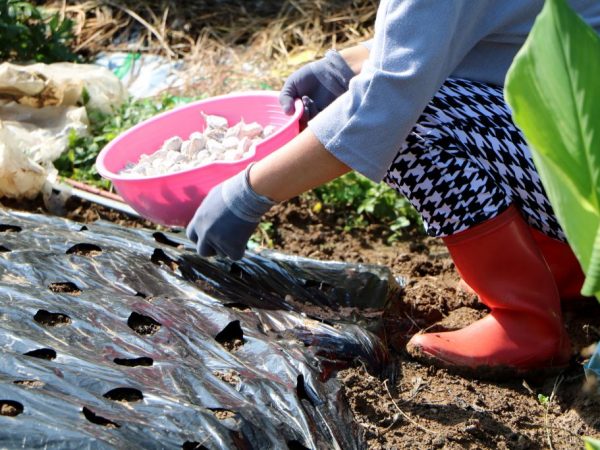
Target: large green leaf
x=591, y=443
x=554, y=92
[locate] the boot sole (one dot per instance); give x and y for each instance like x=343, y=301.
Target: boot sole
x=486, y=373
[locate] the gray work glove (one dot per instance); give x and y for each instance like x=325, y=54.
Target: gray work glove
x=227, y=217
x=318, y=84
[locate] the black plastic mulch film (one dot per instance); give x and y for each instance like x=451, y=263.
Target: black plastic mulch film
x=112, y=337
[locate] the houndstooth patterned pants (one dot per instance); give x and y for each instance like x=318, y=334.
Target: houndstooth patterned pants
x=465, y=162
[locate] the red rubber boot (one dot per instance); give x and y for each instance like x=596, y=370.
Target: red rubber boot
x=563, y=264
x=500, y=260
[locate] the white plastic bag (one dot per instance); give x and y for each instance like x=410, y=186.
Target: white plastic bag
x=61, y=84
x=41, y=106
x=30, y=139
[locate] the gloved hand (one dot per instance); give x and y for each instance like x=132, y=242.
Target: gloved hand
x=318, y=84
x=227, y=217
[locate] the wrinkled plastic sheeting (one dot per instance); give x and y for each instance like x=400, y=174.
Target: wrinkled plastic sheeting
x=592, y=368
x=113, y=337
x=144, y=75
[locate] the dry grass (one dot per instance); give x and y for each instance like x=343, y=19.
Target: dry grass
x=227, y=44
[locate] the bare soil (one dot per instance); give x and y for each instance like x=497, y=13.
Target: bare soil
x=417, y=406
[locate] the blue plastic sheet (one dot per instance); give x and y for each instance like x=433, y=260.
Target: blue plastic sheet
x=592, y=367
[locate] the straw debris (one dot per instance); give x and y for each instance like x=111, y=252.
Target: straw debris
x=227, y=44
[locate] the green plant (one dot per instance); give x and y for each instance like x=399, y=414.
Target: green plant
x=591, y=443
x=78, y=161
x=365, y=202
x=29, y=34
x=264, y=234
x=553, y=90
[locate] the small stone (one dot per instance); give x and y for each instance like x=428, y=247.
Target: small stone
x=439, y=441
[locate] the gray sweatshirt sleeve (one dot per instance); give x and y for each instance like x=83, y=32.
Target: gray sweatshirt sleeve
x=416, y=46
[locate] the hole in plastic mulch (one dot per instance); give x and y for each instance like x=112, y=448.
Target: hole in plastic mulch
x=5, y=228
x=51, y=319
x=231, y=337
x=296, y=445
x=31, y=384
x=134, y=362
x=64, y=287
x=222, y=414
x=98, y=420
x=4, y=249
x=124, y=394
x=84, y=249
x=144, y=325
x=42, y=353
x=237, y=306
x=162, y=238
x=192, y=445
x=160, y=258
x=230, y=376
x=320, y=286
x=237, y=271
x=10, y=408
x=302, y=392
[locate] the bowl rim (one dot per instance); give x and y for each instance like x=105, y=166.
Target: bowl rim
x=104, y=172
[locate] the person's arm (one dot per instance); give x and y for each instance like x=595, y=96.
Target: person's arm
x=355, y=56
x=232, y=210
x=299, y=166
x=416, y=46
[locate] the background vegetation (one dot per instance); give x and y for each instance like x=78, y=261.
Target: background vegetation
x=33, y=34
x=226, y=45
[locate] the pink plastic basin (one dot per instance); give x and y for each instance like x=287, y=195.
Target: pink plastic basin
x=172, y=199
